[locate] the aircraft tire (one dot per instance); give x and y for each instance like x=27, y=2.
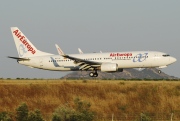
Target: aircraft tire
x=95, y=74
x=91, y=74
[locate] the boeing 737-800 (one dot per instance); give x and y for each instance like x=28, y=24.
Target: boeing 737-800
x=30, y=56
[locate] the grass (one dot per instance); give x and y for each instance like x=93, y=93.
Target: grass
x=106, y=97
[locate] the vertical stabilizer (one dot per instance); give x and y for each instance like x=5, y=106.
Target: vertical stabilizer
x=59, y=50
x=24, y=47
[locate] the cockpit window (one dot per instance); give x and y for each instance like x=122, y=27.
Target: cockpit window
x=166, y=55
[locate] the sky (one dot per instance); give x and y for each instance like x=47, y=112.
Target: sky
x=93, y=25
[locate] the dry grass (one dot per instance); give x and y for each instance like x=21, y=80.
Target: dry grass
x=106, y=97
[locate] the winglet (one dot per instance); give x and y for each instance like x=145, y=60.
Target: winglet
x=59, y=50
x=80, y=51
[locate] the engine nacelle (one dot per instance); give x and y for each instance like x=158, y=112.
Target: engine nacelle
x=109, y=67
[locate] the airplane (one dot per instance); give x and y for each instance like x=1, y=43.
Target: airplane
x=110, y=62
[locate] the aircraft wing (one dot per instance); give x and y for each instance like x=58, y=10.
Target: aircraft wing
x=78, y=60
x=84, y=64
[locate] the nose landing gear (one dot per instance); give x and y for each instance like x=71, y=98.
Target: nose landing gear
x=159, y=71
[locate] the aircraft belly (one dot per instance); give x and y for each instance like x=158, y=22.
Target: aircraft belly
x=61, y=68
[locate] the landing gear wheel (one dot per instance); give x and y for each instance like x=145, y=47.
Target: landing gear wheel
x=95, y=74
x=91, y=74
x=159, y=71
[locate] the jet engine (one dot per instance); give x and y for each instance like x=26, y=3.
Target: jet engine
x=109, y=67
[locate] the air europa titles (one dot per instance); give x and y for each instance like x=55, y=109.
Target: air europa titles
x=24, y=41
x=120, y=54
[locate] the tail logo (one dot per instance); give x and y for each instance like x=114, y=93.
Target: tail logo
x=24, y=42
x=22, y=50
x=60, y=51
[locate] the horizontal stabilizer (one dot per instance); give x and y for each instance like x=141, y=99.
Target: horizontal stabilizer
x=19, y=59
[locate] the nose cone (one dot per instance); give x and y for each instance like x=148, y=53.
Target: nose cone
x=173, y=59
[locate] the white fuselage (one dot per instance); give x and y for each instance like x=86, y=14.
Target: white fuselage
x=134, y=59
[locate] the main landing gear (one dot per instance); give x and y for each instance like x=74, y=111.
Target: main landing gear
x=159, y=71
x=93, y=74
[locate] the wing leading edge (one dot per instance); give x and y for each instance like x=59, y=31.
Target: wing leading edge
x=84, y=64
